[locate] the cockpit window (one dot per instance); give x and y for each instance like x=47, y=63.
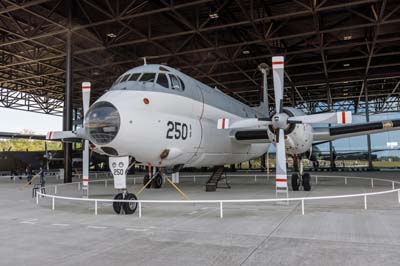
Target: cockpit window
x=162, y=80
x=125, y=78
x=134, y=77
x=117, y=81
x=182, y=84
x=175, y=84
x=148, y=77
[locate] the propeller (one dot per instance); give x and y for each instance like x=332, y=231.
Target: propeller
x=86, y=86
x=281, y=121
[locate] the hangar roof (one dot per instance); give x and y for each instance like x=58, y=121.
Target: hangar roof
x=335, y=51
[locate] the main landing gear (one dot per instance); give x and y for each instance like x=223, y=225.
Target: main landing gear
x=300, y=178
x=125, y=207
x=156, y=182
x=304, y=181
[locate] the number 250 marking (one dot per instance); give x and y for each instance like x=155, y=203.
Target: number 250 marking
x=180, y=130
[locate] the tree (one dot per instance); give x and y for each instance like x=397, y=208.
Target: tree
x=28, y=144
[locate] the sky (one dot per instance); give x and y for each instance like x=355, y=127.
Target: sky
x=16, y=120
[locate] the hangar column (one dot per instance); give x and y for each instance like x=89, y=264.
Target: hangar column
x=367, y=118
x=67, y=114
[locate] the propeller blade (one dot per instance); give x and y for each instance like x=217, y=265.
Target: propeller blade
x=265, y=119
x=277, y=70
x=277, y=135
x=86, y=87
x=85, y=163
x=281, y=176
x=329, y=118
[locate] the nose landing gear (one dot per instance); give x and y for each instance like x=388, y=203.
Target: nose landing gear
x=125, y=207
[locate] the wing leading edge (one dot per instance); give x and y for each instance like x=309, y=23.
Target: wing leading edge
x=332, y=133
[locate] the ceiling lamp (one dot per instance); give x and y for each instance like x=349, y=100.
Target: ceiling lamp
x=111, y=35
x=213, y=15
x=347, y=37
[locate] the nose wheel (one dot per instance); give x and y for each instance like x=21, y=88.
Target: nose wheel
x=125, y=207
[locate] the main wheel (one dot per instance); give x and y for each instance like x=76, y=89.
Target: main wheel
x=117, y=206
x=306, y=182
x=130, y=207
x=157, y=181
x=295, y=182
x=146, y=179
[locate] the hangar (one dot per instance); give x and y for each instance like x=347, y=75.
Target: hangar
x=339, y=56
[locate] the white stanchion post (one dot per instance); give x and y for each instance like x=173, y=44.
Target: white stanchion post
x=194, y=179
x=398, y=196
x=79, y=186
x=95, y=207
x=267, y=179
x=365, y=202
x=140, y=209
x=95, y=175
x=345, y=180
x=53, y=207
x=372, y=183
x=316, y=180
x=55, y=190
x=37, y=198
x=221, y=212
x=134, y=180
x=393, y=185
x=302, y=207
x=255, y=179
x=105, y=183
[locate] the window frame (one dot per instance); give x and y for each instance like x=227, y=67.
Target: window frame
x=125, y=78
x=154, y=79
x=136, y=73
x=177, y=79
x=166, y=76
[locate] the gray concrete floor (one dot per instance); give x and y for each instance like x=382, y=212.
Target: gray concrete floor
x=332, y=232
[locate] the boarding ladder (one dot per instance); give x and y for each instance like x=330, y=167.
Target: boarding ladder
x=218, y=175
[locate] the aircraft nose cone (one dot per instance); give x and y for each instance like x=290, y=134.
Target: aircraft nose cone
x=102, y=123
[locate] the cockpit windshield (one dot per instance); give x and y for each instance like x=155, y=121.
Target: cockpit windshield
x=148, y=77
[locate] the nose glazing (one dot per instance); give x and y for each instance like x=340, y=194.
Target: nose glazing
x=102, y=123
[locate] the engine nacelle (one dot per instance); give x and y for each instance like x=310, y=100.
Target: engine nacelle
x=298, y=137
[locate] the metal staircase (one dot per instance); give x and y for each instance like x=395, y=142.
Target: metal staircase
x=217, y=176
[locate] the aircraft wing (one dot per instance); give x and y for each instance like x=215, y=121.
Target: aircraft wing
x=332, y=133
x=11, y=135
x=66, y=136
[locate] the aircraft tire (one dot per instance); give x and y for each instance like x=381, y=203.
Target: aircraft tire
x=130, y=207
x=117, y=206
x=157, y=181
x=306, y=182
x=295, y=182
x=146, y=179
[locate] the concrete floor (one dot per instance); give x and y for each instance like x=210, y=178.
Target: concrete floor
x=332, y=232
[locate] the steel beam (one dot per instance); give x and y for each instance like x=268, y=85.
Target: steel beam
x=67, y=118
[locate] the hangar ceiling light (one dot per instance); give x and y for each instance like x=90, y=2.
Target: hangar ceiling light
x=111, y=35
x=213, y=15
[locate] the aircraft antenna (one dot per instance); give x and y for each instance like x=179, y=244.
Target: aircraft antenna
x=144, y=61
